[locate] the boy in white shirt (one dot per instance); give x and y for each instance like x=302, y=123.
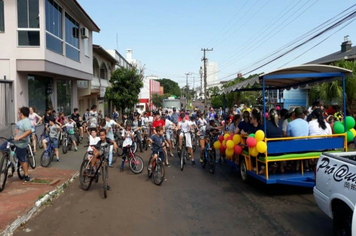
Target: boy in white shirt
x=128, y=136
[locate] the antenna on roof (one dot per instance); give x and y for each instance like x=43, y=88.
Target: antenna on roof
x=346, y=38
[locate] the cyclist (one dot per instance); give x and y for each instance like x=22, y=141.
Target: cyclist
x=158, y=143
x=100, y=148
x=93, y=118
x=109, y=126
x=70, y=126
x=85, y=120
x=47, y=117
x=61, y=119
x=54, y=130
x=169, y=127
x=157, y=122
x=115, y=115
x=22, y=131
x=128, y=136
x=186, y=129
x=76, y=118
x=136, y=125
x=202, y=128
x=33, y=116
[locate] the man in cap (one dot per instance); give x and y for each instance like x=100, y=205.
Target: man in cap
x=175, y=116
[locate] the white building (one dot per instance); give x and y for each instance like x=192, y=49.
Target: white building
x=121, y=61
x=46, y=47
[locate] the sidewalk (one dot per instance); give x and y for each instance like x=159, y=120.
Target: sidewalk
x=18, y=197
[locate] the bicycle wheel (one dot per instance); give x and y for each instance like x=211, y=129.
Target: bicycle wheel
x=65, y=146
x=136, y=164
x=194, y=144
x=140, y=145
x=20, y=171
x=85, y=157
x=149, y=172
x=69, y=144
x=159, y=173
x=182, y=159
x=84, y=179
x=31, y=157
x=3, y=171
x=146, y=144
x=46, y=158
x=203, y=164
x=120, y=150
x=211, y=163
x=104, y=174
x=40, y=141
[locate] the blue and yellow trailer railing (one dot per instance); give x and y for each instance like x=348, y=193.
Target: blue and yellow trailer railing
x=292, y=149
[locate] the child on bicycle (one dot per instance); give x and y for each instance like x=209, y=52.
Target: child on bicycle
x=128, y=136
x=158, y=143
x=54, y=130
x=70, y=126
x=102, y=147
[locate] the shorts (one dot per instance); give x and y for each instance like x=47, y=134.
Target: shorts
x=78, y=125
x=21, y=154
x=188, y=139
x=33, y=128
x=169, y=135
x=54, y=142
x=161, y=154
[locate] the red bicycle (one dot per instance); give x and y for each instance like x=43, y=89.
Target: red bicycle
x=135, y=162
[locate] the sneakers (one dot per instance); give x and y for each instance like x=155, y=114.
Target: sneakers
x=193, y=162
x=108, y=187
x=57, y=159
x=111, y=166
x=201, y=160
x=122, y=169
x=27, y=178
x=75, y=149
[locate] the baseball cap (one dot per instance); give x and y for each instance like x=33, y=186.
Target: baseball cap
x=182, y=115
x=290, y=111
x=174, y=109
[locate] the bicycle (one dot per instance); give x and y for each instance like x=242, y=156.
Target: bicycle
x=67, y=143
x=9, y=160
x=101, y=163
x=135, y=162
x=48, y=154
x=43, y=136
x=194, y=141
x=137, y=139
x=30, y=157
x=119, y=141
x=184, y=152
x=209, y=157
x=157, y=169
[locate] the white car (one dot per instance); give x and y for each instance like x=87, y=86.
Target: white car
x=335, y=189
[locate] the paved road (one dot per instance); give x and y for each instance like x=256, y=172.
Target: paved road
x=192, y=202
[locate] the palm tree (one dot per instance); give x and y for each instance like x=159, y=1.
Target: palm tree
x=332, y=91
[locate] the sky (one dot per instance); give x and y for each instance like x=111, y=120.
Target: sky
x=167, y=36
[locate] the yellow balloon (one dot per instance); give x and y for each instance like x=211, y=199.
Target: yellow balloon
x=353, y=131
x=226, y=136
x=261, y=147
x=259, y=135
x=217, y=145
x=224, y=143
x=236, y=139
x=229, y=152
x=253, y=152
x=230, y=144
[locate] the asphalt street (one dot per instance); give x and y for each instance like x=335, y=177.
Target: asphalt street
x=190, y=202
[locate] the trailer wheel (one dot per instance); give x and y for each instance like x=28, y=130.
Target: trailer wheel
x=243, y=170
x=342, y=218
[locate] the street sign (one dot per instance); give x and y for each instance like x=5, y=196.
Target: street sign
x=82, y=84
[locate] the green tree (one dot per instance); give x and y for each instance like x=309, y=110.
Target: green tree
x=125, y=87
x=157, y=99
x=169, y=86
x=332, y=91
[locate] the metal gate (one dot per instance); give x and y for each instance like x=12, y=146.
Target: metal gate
x=6, y=107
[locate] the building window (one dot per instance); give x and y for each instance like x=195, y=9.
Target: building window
x=64, y=96
x=40, y=93
x=96, y=69
x=28, y=23
x=103, y=71
x=72, y=38
x=54, y=33
x=2, y=24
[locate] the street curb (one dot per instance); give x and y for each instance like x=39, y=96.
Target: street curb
x=38, y=204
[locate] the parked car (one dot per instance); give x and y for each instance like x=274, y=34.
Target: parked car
x=335, y=189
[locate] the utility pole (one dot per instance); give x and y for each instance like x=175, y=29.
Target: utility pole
x=205, y=74
x=187, y=87
x=193, y=86
x=201, y=80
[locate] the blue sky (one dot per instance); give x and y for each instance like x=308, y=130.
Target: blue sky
x=167, y=35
